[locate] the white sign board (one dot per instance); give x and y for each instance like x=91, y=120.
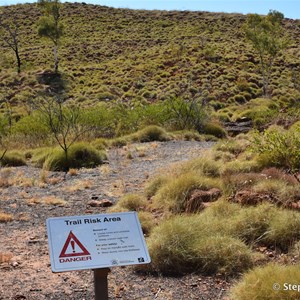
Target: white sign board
x=96, y=241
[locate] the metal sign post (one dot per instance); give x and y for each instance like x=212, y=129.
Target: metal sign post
x=101, y=283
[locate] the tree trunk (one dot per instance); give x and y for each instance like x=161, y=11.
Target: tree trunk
x=55, y=59
x=18, y=60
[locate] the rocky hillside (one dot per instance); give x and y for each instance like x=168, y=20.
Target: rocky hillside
x=144, y=56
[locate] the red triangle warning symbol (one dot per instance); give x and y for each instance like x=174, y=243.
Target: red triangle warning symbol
x=72, y=243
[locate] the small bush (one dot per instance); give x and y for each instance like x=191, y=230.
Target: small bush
x=13, y=159
x=278, y=147
x=80, y=155
x=259, y=283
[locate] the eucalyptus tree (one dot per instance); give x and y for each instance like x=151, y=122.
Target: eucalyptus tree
x=267, y=37
x=50, y=25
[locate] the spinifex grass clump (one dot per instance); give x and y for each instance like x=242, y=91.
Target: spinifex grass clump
x=270, y=282
x=174, y=194
x=130, y=202
x=220, y=239
x=13, y=159
x=151, y=133
x=80, y=155
x=185, y=244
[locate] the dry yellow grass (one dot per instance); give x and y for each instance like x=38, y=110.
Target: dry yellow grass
x=48, y=200
x=4, y=217
x=73, y=172
x=52, y=200
x=5, y=174
x=79, y=186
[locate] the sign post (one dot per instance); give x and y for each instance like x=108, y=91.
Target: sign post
x=101, y=283
x=96, y=242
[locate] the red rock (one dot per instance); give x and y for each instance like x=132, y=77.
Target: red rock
x=200, y=199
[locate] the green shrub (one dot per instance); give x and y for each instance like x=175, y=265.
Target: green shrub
x=182, y=245
x=13, y=159
x=80, y=155
x=278, y=147
x=31, y=126
x=268, y=282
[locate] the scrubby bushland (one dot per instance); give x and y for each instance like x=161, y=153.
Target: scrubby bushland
x=278, y=147
x=219, y=239
x=80, y=155
x=268, y=282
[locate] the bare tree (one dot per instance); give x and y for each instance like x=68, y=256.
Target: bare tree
x=63, y=121
x=9, y=34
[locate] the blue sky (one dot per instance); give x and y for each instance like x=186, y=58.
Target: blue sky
x=290, y=8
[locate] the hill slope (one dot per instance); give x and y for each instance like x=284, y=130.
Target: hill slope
x=138, y=56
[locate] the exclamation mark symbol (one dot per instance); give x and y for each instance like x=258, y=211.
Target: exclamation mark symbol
x=73, y=246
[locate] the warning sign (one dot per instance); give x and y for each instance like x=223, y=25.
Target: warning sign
x=73, y=243
x=96, y=241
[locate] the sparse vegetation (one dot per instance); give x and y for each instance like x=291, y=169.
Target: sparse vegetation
x=151, y=77
x=5, y=217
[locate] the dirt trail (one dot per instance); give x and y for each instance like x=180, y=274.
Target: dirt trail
x=23, y=242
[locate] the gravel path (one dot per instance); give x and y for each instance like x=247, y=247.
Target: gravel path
x=26, y=274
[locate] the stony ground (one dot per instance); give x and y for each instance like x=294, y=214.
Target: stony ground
x=32, y=195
